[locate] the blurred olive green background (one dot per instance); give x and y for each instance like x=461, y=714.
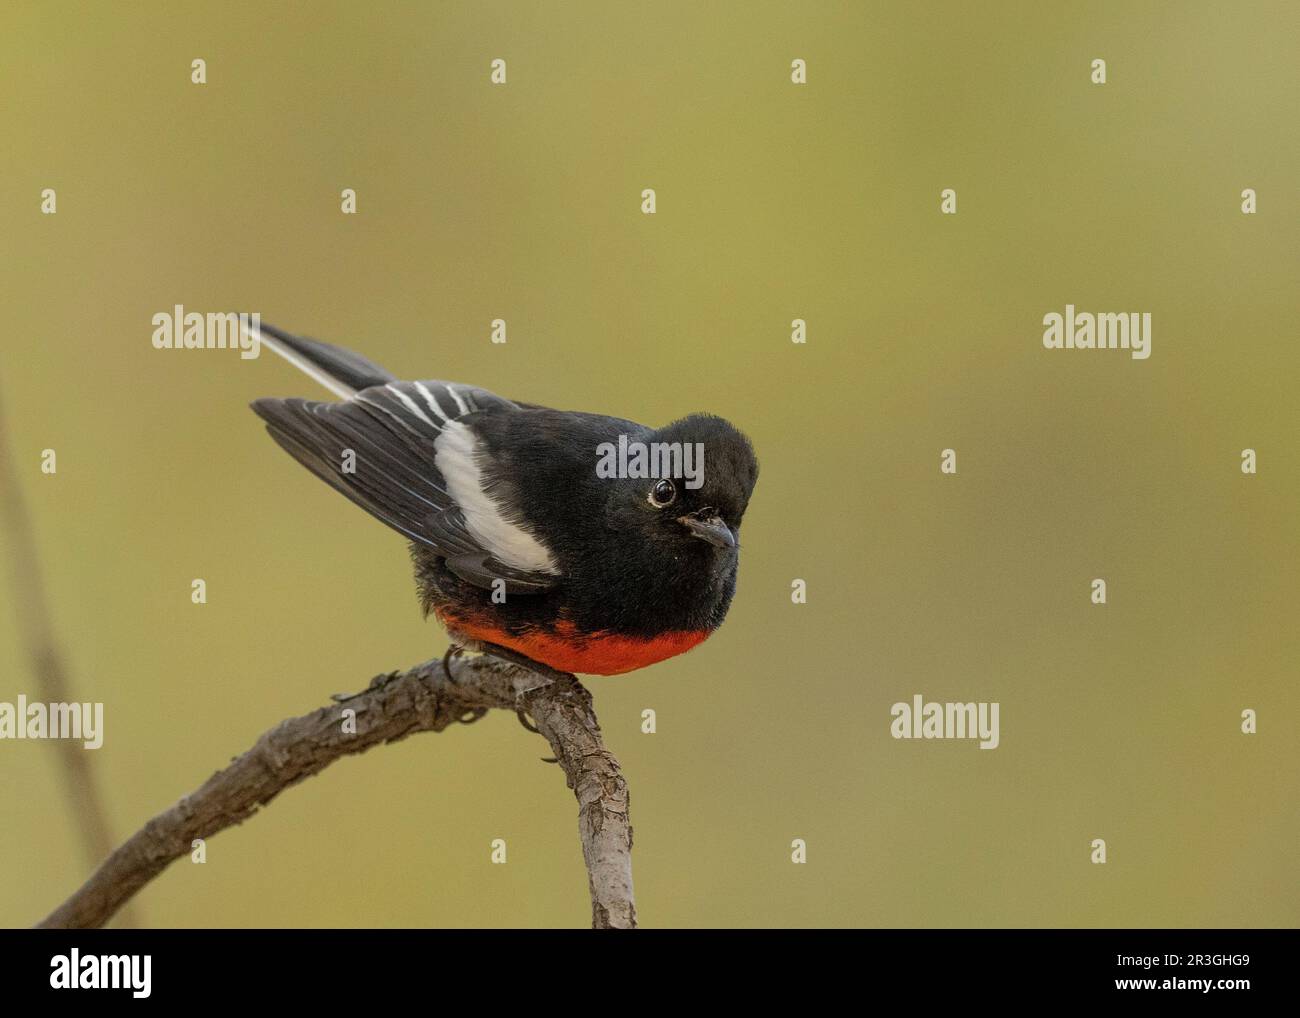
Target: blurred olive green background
x=774, y=202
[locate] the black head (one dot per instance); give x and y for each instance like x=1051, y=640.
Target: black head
x=703, y=473
x=658, y=552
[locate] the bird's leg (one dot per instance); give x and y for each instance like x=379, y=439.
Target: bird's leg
x=523, y=661
x=514, y=657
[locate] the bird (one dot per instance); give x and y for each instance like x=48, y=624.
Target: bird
x=517, y=539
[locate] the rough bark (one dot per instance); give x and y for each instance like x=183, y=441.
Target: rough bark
x=423, y=699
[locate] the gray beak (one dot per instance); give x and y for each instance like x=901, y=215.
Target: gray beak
x=710, y=528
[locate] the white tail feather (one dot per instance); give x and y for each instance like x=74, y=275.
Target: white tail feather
x=298, y=361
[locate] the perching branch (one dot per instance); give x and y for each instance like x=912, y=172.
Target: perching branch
x=48, y=669
x=423, y=699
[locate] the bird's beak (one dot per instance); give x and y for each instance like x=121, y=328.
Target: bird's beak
x=709, y=528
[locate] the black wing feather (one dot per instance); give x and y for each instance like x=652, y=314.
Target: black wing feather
x=346, y=366
x=392, y=429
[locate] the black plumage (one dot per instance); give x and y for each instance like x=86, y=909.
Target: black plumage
x=511, y=528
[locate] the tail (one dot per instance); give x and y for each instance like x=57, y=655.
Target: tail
x=341, y=371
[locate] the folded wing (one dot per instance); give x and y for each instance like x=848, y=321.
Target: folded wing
x=381, y=448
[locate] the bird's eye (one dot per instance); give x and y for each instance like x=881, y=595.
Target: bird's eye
x=663, y=493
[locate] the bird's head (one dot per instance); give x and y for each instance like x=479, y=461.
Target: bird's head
x=703, y=472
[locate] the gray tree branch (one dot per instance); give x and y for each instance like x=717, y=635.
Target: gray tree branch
x=423, y=699
x=48, y=668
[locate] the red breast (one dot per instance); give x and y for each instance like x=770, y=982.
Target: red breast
x=565, y=650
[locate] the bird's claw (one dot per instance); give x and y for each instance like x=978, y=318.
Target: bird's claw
x=452, y=651
x=528, y=725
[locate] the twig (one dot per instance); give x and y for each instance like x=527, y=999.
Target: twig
x=48, y=669
x=394, y=706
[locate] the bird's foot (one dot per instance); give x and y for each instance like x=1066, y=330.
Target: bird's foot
x=522, y=715
x=453, y=650
x=514, y=657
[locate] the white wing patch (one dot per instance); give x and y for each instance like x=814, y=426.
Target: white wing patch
x=508, y=542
